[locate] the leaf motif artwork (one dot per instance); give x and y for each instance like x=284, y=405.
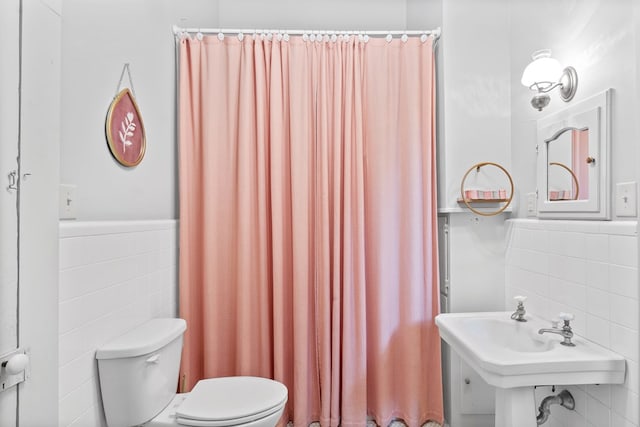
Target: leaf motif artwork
x=128, y=128
x=125, y=131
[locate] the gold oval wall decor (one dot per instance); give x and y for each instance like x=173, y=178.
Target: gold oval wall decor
x=477, y=167
x=125, y=130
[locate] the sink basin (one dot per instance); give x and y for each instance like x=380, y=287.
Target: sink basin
x=513, y=336
x=510, y=354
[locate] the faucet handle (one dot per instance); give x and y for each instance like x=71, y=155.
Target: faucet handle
x=520, y=310
x=565, y=316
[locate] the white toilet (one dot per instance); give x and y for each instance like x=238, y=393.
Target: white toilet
x=139, y=376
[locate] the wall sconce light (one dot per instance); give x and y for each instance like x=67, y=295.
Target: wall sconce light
x=544, y=74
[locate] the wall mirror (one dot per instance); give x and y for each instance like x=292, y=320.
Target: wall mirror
x=573, y=161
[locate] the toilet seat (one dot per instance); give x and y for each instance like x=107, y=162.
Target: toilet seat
x=229, y=401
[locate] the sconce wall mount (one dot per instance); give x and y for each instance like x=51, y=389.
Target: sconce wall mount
x=568, y=83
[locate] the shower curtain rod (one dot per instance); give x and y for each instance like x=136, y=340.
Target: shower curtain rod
x=177, y=31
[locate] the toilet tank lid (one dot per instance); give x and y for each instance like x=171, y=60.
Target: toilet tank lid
x=146, y=338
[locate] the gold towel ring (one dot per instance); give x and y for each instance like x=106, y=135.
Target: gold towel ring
x=477, y=167
x=573, y=175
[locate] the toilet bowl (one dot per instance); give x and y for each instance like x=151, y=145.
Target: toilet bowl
x=138, y=380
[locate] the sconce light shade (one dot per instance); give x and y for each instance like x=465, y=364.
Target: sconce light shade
x=544, y=74
x=543, y=70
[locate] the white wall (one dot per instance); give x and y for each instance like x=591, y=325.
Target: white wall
x=474, y=52
x=98, y=37
x=473, y=110
x=114, y=276
x=589, y=269
x=476, y=263
x=424, y=14
x=93, y=56
x=313, y=14
x=598, y=38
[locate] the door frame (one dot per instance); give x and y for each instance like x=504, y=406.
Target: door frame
x=39, y=172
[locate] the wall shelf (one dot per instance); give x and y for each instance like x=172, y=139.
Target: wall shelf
x=483, y=201
x=463, y=209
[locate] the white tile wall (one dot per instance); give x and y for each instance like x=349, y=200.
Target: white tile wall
x=590, y=269
x=113, y=276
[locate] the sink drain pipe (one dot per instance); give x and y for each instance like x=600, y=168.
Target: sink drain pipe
x=564, y=398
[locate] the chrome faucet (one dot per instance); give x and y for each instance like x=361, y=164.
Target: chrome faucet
x=566, y=332
x=518, y=315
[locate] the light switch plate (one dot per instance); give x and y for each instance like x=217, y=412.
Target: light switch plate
x=626, y=199
x=68, y=201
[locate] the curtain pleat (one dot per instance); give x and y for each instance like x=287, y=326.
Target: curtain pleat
x=308, y=249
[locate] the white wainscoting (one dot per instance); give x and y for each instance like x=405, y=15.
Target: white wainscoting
x=114, y=275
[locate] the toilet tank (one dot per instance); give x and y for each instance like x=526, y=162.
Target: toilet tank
x=139, y=371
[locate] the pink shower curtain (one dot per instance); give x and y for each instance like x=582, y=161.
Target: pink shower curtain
x=308, y=248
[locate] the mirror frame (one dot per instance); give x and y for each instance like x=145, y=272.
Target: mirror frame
x=593, y=113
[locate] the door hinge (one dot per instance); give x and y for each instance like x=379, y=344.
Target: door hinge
x=13, y=181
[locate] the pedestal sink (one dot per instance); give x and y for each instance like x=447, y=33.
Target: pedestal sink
x=513, y=357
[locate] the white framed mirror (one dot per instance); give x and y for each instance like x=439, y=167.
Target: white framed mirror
x=573, y=171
